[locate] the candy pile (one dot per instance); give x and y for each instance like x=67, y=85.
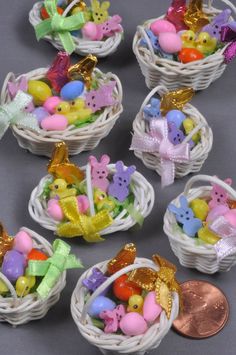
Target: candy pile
x=66, y=96
x=28, y=268
x=70, y=201
x=135, y=300
x=95, y=24
x=187, y=34
x=209, y=221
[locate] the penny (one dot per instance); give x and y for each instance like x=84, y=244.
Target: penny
x=205, y=310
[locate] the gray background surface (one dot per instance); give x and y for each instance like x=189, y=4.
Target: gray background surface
x=21, y=171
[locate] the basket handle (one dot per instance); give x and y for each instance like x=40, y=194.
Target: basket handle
x=211, y=179
x=145, y=36
x=110, y=280
x=194, y=131
x=90, y=189
x=226, y=2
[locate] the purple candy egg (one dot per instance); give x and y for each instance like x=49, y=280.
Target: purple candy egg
x=40, y=113
x=13, y=265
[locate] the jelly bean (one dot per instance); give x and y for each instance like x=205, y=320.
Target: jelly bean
x=208, y=236
x=40, y=113
x=72, y=90
x=175, y=116
x=51, y=103
x=161, y=26
x=100, y=304
x=23, y=242
x=39, y=90
x=123, y=289
x=3, y=288
x=151, y=309
x=36, y=254
x=24, y=285
x=135, y=304
x=200, y=208
x=54, y=123
x=133, y=324
x=13, y=265
x=187, y=55
x=170, y=42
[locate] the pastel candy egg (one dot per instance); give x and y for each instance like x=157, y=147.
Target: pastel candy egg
x=54, y=123
x=3, y=287
x=40, y=113
x=36, y=254
x=133, y=324
x=151, y=309
x=83, y=203
x=24, y=284
x=72, y=90
x=100, y=304
x=188, y=55
x=161, y=26
x=39, y=90
x=54, y=210
x=90, y=31
x=217, y=211
x=230, y=216
x=170, y=42
x=23, y=242
x=51, y=103
x=208, y=236
x=200, y=208
x=175, y=116
x=13, y=265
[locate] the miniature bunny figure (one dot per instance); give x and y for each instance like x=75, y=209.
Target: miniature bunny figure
x=175, y=135
x=214, y=28
x=152, y=110
x=99, y=11
x=184, y=215
x=100, y=172
x=119, y=188
x=112, y=318
x=155, y=44
x=96, y=99
x=218, y=195
x=96, y=32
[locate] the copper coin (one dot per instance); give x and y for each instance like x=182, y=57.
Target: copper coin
x=205, y=310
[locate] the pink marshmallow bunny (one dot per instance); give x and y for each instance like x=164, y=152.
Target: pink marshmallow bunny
x=218, y=195
x=100, y=172
x=96, y=32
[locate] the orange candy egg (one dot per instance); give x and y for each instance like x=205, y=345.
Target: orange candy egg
x=44, y=13
x=123, y=289
x=36, y=254
x=187, y=55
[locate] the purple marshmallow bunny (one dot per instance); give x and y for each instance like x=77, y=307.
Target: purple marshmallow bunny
x=95, y=280
x=97, y=99
x=119, y=188
x=100, y=172
x=175, y=135
x=111, y=26
x=214, y=28
x=152, y=110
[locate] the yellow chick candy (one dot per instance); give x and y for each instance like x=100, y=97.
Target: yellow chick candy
x=189, y=125
x=208, y=236
x=102, y=201
x=205, y=43
x=87, y=14
x=200, y=208
x=135, y=304
x=59, y=188
x=188, y=39
x=62, y=108
x=78, y=106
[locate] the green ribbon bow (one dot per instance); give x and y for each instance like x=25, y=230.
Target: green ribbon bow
x=53, y=267
x=13, y=114
x=60, y=25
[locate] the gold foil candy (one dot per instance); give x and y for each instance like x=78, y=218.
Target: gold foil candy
x=6, y=242
x=194, y=17
x=83, y=70
x=125, y=257
x=176, y=99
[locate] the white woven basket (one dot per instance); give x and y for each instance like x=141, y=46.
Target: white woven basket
x=142, y=190
x=113, y=343
x=201, y=257
x=198, y=154
x=77, y=139
x=15, y=310
x=159, y=71
x=83, y=46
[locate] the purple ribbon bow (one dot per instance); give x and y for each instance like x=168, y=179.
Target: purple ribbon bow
x=227, y=244
x=228, y=34
x=157, y=142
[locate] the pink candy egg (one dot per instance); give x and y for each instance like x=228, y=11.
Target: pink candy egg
x=83, y=203
x=170, y=42
x=54, y=210
x=162, y=26
x=217, y=211
x=133, y=324
x=90, y=31
x=23, y=242
x=51, y=103
x=230, y=216
x=54, y=123
x=151, y=309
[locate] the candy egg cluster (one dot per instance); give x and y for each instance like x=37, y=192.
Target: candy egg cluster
x=201, y=217
x=186, y=34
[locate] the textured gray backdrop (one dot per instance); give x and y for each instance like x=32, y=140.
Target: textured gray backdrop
x=21, y=171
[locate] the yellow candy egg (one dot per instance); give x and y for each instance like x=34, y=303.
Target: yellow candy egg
x=200, y=208
x=24, y=285
x=3, y=287
x=39, y=90
x=62, y=108
x=208, y=236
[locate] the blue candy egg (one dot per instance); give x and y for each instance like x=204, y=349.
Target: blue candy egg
x=40, y=113
x=175, y=116
x=99, y=305
x=72, y=90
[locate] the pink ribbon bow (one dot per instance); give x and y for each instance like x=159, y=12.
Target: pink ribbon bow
x=157, y=142
x=227, y=244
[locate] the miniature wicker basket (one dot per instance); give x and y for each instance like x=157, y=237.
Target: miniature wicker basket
x=200, y=257
x=77, y=139
x=142, y=190
x=15, y=310
x=159, y=71
x=198, y=154
x=113, y=343
x=83, y=46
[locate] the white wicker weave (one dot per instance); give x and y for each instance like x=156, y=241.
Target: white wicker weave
x=15, y=310
x=113, y=343
x=201, y=257
x=77, y=139
x=142, y=190
x=159, y=71
x=83, y=46
x=198, y=154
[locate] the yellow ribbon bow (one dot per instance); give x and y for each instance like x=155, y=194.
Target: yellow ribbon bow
x=163, y=282
x=80, y=225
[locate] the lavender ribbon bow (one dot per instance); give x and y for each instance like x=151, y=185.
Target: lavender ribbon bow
x=228, y=34
x=227, y=244
x=157, y=142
